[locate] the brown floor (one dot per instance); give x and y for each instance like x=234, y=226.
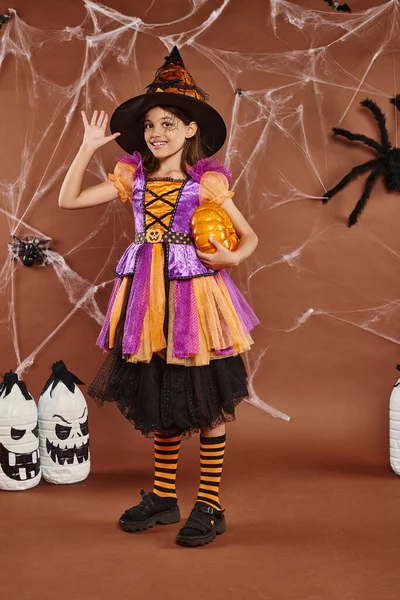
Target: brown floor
x=299, y=528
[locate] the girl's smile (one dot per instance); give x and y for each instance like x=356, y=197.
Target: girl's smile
x=156, y=144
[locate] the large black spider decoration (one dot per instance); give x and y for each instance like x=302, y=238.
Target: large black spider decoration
x=29, y=250
x=386, y=164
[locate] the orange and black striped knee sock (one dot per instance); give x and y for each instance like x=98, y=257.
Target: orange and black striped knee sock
x=211, y=461
x=166, y=452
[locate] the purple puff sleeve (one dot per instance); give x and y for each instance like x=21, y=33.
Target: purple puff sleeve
x=208, y=164
x=131, y=159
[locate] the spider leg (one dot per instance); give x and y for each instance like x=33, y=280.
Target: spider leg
x=43, y=255
x=372, y=177
x=396, y=101
x=381, y=120
x=40, y=254
x=16, y=246
x=358, y=137
x=349, y=177
x=43, y=241
x=18, y=252
x=18, y=240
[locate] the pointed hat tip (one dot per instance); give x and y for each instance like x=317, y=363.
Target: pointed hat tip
x=174, y=56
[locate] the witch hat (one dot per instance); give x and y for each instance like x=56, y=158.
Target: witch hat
x=173, y=85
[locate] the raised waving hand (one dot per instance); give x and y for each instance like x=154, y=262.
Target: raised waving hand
x=95, y=132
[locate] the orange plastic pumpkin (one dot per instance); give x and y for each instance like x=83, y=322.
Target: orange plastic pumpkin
x=212, y=220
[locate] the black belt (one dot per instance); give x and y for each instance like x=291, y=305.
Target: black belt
x=158, y=236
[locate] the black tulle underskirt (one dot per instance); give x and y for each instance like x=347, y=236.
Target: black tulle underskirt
x=158, y=396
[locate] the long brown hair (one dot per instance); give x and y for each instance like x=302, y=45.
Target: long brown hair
x=192, y=149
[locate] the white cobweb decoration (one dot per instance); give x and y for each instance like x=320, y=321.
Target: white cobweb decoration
x=296, y=86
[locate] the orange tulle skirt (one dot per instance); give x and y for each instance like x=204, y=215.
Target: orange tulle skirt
x=202, y=319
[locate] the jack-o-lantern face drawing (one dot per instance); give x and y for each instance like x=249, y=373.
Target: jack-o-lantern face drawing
x=153, y=236
x=19, y=443
x=70, y=441
x=20, y=466
x=63, y=428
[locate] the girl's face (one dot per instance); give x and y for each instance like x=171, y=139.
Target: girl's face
x=165, y=133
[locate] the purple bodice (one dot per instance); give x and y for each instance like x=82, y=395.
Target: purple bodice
x=182, y=260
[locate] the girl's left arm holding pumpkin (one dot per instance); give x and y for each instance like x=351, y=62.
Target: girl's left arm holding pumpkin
x=223, y=258
x=214, y=188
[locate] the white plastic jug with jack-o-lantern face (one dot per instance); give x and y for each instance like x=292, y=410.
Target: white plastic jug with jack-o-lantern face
x=63, y=428
x=19, y=442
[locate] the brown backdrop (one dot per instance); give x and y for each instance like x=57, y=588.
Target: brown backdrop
x=303, y=69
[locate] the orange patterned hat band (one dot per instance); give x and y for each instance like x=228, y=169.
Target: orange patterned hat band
x=174, y=78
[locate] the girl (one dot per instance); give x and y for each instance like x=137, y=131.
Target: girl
x=176, y=323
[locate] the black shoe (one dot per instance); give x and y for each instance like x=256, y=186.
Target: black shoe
x=202, y=527
x=152, y=510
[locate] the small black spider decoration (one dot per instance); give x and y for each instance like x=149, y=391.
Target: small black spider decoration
x=29, y=250
x=3, y=19
x=386, y=164
x=336, y=6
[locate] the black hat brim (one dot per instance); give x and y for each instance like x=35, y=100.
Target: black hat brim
x=128, y=120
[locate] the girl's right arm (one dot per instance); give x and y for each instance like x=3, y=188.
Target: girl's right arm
x=71, y=194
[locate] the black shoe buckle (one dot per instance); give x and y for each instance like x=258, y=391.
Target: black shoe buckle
x=208, y=509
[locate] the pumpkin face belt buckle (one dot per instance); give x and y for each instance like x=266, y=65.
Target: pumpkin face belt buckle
x=154, y=236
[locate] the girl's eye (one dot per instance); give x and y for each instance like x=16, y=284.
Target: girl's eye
x=168, y=123
x=147, y=126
